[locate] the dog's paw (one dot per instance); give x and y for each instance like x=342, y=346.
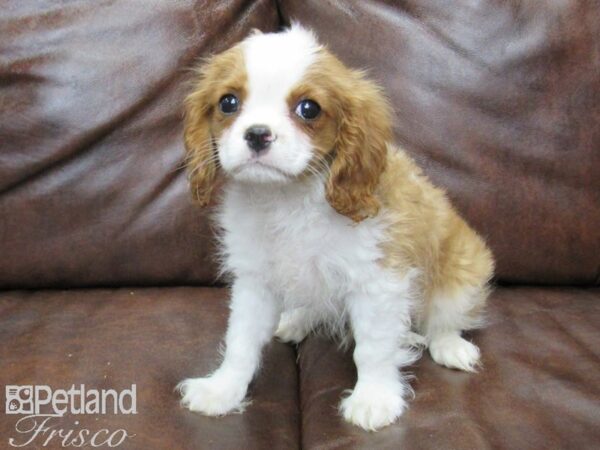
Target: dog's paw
x=212, y=396
x=373, y=406
x=454, y=352
x=291, y=328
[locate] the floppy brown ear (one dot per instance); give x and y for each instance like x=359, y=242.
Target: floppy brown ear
x=361, y=150
x=201, y=158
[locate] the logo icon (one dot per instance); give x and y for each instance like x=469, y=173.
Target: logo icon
x=19, y=399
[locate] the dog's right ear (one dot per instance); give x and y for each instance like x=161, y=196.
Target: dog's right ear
x=201, y=156
x=215, y=76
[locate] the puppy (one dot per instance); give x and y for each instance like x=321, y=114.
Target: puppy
x=325, y=223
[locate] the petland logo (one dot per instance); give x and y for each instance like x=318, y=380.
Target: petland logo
x=41, y=407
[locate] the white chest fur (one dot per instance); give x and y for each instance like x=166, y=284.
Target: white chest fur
x=292, y=240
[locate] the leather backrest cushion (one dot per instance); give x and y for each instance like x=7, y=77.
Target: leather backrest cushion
x=499, y=102
x=91, y=138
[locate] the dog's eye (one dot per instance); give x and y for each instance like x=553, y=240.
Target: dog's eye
x=308, y=109
x=229, y=104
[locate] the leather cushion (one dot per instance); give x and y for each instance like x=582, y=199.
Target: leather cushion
x=91, y=187
x=539, y=386
x=110, y=339
x=499, y=102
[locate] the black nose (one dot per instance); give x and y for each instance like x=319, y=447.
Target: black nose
x=259, y=137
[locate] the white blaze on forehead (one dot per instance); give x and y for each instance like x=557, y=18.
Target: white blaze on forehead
x=276, y=62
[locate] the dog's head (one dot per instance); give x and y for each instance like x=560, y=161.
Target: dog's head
x=278, y=108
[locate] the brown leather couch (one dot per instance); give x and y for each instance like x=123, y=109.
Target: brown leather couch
x=106, y=266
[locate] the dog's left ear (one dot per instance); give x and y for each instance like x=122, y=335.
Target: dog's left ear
x=364, y=130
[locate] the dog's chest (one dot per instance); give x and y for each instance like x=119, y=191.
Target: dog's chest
x=303, y=250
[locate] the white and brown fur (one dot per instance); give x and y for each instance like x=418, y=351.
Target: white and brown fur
x=333, y=226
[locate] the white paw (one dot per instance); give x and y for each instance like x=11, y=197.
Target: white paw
x=373, y=406
x=453, y=351
x=212, y=396
x=291, y=328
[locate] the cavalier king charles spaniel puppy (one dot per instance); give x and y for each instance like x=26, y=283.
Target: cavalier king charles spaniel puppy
x=325, y=224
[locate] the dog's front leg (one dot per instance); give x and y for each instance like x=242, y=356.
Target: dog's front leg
x=380, y=322
x=254, y=313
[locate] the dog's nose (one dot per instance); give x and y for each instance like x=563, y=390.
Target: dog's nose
x=259, y=137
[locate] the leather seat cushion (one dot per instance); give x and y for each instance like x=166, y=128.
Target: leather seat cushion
x=111, y=339
x=539, y=386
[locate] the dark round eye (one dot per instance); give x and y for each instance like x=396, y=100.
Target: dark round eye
x=229, y=104
x=308, y=109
